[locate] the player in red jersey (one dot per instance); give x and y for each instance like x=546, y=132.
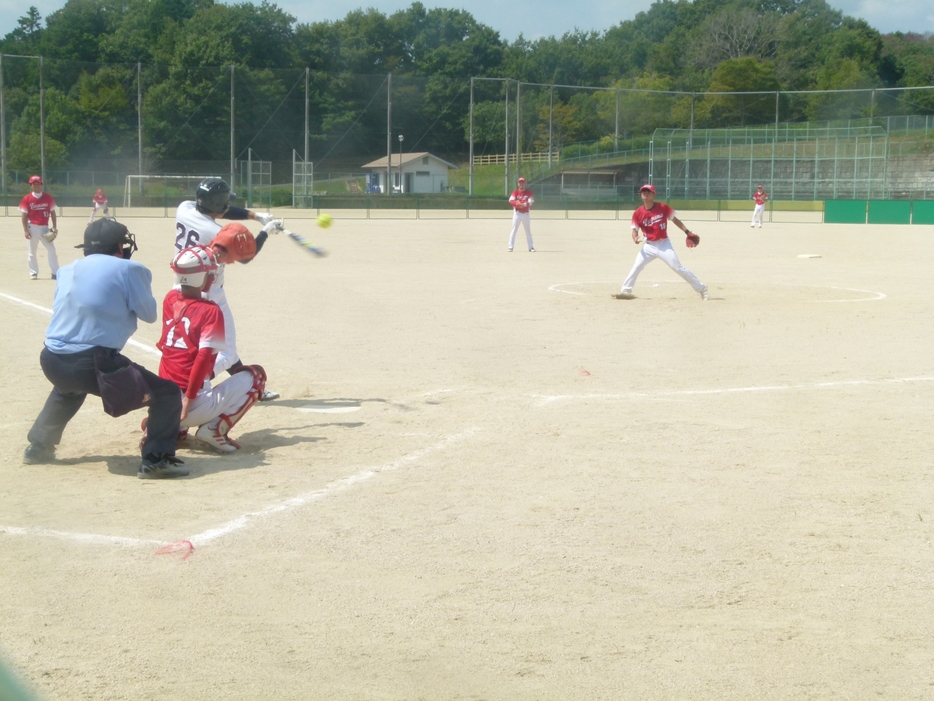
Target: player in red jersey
x=100, y=202
x=192, y=334
x=760, y=197
x=521, y=200
x=37, y=208
x=652, y=218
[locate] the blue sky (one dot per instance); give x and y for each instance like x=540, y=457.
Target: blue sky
x=540, y=18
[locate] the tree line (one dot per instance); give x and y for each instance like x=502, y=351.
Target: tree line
x=99, y=55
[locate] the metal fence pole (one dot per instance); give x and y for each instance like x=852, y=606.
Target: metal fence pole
x=233, y=154
x=470, y=172
x=41, y=121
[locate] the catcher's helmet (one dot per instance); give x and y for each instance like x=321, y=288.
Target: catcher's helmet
x=192, y=266
x=213, y=196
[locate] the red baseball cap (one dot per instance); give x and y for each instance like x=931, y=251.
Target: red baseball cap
x=35, y=179
x=647, y=186
x=521, y=180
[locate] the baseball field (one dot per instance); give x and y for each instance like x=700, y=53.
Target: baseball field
x=487, y=479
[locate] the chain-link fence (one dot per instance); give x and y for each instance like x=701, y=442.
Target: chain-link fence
x=85, y=126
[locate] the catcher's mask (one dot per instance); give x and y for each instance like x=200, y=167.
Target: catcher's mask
x=108, y=236
x=213, y=196
x=193, y=266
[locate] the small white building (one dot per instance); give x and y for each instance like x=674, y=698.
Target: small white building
x=417, y=173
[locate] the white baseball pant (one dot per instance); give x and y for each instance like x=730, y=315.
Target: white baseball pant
x=229, y=355
x=32, y=261
x=226, y=398
x=660, y=249
x=97, y=206
x=520, y=218
x=758, y=212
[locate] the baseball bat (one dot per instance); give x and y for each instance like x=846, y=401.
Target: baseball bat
x=305, y=243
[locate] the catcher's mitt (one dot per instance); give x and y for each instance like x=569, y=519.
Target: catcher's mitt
x=692, y=240
x=237, y=242
x=50, y=235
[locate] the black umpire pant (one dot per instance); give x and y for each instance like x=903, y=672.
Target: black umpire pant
x=73, y=378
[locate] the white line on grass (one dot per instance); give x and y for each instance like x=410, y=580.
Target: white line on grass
x=547, y=399
x=236, y=524
x=131, y=342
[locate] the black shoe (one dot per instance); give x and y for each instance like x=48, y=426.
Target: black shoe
x=38, y=454
x=53, y=276
x=155, y=468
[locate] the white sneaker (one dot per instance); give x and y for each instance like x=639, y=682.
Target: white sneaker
x=213, y=438
x=703, y=294
x=509, y=250
x=268, y=396
x=624, y=295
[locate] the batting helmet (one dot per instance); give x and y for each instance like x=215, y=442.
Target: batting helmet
x=192, y=266
x=213, y=196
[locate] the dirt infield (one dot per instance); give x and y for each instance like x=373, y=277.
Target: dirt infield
x=486, y=479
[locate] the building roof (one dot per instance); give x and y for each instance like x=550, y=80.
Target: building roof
x=406, y=158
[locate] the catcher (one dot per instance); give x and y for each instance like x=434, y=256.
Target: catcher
x=193, y=333
x=196, y=224
x=37, y=208
x=652, y=218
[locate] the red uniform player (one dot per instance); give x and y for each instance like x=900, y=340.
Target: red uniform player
x=760, y=197
x=100, y=202
x=38, y=208
x=652, y=219
x=192, y=334
x=521, y=200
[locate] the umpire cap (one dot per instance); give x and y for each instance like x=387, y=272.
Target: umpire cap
x=108, y=236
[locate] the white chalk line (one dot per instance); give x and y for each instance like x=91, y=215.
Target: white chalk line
x=91, y=538
x=131, y=342
x=331, y=489
x=547, y=399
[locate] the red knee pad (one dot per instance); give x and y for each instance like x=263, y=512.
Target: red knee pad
x=259, y=376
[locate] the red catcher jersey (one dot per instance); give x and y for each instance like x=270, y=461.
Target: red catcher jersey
x=521, y=200
x=654, y=222
x=760, y=197
x=188, y=325
x=38, y=208
x=100, y=199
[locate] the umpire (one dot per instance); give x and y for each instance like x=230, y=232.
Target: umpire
x=98, y=300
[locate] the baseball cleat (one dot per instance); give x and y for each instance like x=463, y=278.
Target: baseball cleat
x=509, y=250
x=155, y=468
x=213, y=438
x=268, y=396
x=703, y=294
x=624, y=295
x=38, y=454
x=531, y=250
x=33, y=276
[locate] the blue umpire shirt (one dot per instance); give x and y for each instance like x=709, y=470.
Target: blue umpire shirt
x=97, y=302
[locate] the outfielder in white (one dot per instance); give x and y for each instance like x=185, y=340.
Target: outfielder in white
x=195, y=224
x=760, y=197
x=652, y=218
x=192, y=333
x=38, y=208
x=521, y=200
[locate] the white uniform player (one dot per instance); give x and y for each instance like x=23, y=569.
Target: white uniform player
x=195, y=224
